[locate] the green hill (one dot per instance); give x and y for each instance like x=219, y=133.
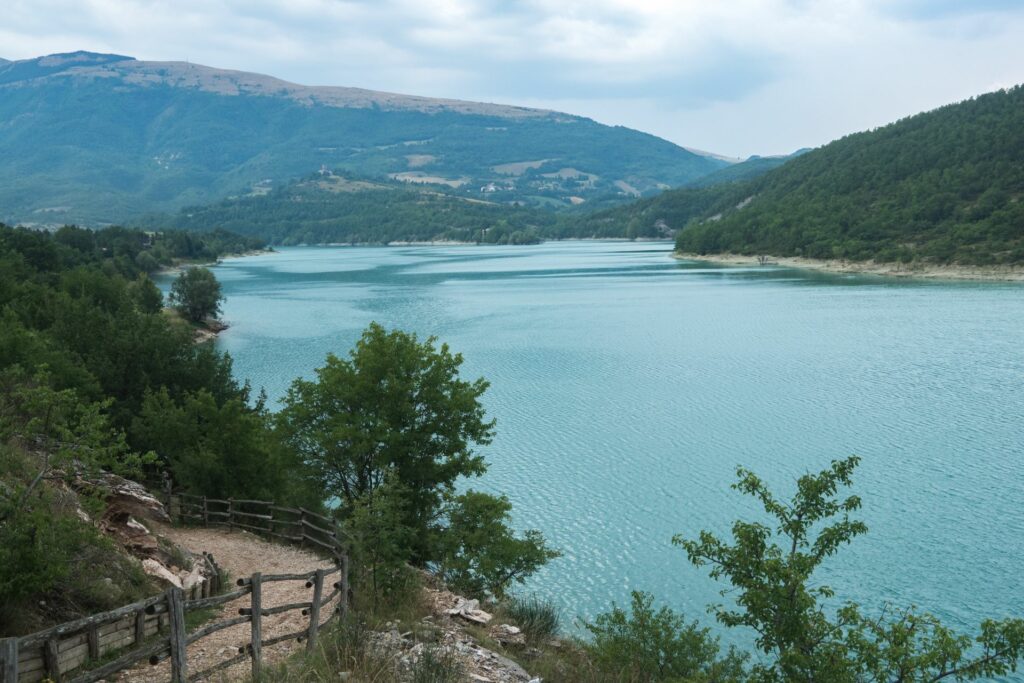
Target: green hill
x=330, y=208
x=97, y=139
x=945, y=186
x=745, y=170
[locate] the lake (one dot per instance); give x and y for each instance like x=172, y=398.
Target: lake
x=628, y=386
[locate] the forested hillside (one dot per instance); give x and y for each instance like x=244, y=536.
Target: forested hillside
x=98, y=139
x=335, y=209
x=945, y=186
x=96, y=375
x=745, y=170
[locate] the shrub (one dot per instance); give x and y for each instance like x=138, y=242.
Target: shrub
x=480, y=554
x=645, y=646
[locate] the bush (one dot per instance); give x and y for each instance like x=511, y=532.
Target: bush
x=480, y=554
x=645, y=646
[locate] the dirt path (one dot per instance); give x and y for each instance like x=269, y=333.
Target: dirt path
x=242, y=554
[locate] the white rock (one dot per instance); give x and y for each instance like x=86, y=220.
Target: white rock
x=470, y=611
x=154, y=568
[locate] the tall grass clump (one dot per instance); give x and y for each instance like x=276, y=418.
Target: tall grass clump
x=437, y=665
x=539, y=619
x=342, y=648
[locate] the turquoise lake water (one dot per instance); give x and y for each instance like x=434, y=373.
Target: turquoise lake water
x=628, y=386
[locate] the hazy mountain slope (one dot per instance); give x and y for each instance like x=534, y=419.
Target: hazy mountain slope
x=943, y=186
x=98, y=138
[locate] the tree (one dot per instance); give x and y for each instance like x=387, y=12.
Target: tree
x=381, y=540
x=480, y=554
x=777, y=597
x=196, y=293
x=396, y=405
x=646, y=646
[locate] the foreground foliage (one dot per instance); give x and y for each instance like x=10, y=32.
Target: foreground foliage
x=47, y=439
x=772, y=568
x=94, y=376
x=646, y=645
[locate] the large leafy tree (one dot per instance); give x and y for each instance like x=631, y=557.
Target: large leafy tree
x=772, y=567
x=196, y=293
x=396, y=407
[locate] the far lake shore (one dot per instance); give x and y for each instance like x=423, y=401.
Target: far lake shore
x=911, y=270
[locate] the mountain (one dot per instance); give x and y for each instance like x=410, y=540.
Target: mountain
x=945, y=186
x=98, y=138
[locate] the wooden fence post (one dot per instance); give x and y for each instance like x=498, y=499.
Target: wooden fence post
x=302, y=527
x=257, y=631
x=344, y=586
x=168, y=488
x=51, y=659
x=176, y=611
x=206, y=513
x=314, y=609
x=140, y=626
x=231, y=513
x=92, y=637
x=8, y=660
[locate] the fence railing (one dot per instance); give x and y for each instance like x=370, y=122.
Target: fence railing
x=155, y=627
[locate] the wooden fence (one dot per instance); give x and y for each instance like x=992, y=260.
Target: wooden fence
x=155, y=627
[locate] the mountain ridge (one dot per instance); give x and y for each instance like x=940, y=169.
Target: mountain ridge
x=82, y=64
x=97, y=139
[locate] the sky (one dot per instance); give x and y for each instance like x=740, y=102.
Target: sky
x=734, y=77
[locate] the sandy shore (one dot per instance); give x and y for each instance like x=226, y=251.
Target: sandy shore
x=936, y=272
x=178, y=268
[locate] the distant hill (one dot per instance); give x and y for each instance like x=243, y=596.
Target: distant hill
x=98, y=138
x=745, y=170
x=328, y=208
x=946, y=186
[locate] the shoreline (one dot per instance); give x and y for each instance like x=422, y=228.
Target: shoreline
x=180, y=267
x=903, y=270
x=208, y=331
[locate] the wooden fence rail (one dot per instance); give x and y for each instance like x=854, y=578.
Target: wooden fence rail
x=155, y=627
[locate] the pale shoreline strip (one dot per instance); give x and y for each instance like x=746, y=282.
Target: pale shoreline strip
x=912, y=270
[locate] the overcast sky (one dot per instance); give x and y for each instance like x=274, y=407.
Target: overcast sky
x=736, y=77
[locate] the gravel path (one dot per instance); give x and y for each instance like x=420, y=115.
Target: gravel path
x=242, y=554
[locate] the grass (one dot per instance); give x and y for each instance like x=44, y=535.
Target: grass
x=539, y=619
x=178, y=557
x=437, y=665
x=197, y=617
x=341, y=648
x=349, y=646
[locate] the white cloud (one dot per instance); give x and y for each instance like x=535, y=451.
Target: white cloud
x=738, y=77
